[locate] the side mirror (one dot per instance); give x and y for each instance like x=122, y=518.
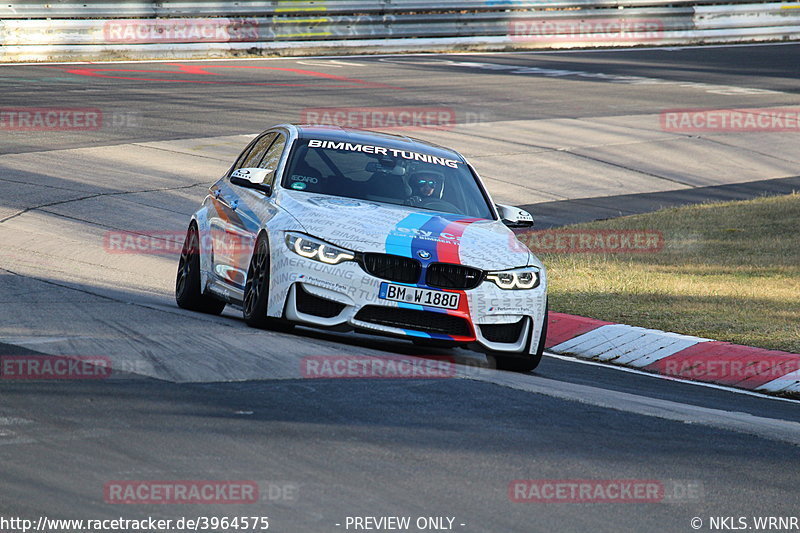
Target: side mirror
x=252, y=178
x=514, y=217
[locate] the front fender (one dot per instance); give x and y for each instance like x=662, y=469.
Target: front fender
x=281, y=271
x=201, y=218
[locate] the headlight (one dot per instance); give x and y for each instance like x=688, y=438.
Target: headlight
x=318, y=250
x=519, y=278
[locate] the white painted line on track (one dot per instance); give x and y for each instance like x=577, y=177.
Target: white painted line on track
x=670, y=378
x=330, y=63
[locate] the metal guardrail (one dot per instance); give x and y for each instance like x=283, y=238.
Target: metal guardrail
x=95, y=29
x=216, y=8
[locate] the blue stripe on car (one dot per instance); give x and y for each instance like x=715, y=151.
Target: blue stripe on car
x=412, y=240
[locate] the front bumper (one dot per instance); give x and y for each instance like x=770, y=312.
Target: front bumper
x=344, y=296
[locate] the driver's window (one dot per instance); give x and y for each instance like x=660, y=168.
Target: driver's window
x=257, y=152
x=272, y=157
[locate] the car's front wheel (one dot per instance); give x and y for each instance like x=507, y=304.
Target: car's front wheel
x=187, y=285
x=256, y=290
x=525, y=362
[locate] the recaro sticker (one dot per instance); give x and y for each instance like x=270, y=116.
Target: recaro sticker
x=307, y=179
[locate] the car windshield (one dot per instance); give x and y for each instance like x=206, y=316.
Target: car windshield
x=382, y=174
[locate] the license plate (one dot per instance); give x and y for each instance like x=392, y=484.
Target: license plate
x=414, y=295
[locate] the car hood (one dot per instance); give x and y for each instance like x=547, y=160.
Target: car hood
x=410, y=232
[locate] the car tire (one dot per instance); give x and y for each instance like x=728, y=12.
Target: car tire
x=256, y=290
x=524, y=364
x=187, y=283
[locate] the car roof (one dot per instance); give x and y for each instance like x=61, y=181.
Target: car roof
x=352, y=135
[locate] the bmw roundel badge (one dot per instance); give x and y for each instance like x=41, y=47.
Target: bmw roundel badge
x=424, y=254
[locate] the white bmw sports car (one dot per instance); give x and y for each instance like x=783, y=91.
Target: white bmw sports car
x=348, y=229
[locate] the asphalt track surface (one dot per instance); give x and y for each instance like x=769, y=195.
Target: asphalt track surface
x=206, y=398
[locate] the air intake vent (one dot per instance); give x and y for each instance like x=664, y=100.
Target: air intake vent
x=311, y=304
x=506, y=333
x=425, y=321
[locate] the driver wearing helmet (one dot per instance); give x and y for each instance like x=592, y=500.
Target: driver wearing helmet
x=423, y=185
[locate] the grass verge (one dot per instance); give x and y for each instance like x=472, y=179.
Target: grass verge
x=727, y=271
